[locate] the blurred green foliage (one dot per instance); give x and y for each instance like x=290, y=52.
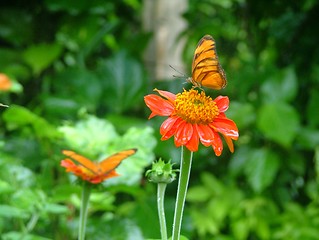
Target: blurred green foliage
x=79, y=83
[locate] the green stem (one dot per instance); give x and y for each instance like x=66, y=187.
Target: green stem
x=185, y=169
x=84, y=207
x=160, y=207
x=33, y=221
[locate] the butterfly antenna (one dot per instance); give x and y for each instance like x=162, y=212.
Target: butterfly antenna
x=183, y=75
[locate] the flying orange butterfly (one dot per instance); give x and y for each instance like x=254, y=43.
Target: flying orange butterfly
x=206, y=69
x=95, y=172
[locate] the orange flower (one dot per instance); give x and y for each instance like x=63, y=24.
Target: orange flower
x=94, y=172
x=193, y=117
x=5, y=83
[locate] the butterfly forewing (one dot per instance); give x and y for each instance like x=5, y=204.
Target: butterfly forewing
x=88, y=164
x=205, y=50
x=110, y=163
x=206, y=69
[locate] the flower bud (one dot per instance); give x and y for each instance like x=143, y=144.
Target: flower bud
x=161, y=172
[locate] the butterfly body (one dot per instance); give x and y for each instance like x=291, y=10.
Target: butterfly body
x=206, y=69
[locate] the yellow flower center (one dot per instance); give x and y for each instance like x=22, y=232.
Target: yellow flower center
x=195, y=107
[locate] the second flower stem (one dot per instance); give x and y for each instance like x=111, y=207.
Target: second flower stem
x=185, y=169
x=160, y=206
x=83, y=211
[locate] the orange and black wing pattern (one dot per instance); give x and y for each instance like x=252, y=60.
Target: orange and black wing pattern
x=206, y=69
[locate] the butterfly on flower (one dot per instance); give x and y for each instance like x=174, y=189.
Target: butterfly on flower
x=94, y=172
x=206, y=69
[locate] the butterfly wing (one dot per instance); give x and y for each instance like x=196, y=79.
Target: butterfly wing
x=88, y=164
x=206, y=69
x=110, y=163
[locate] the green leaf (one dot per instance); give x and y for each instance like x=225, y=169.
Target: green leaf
x=240, y=228
x=97, y=139
x=124, y=81
x=261, y=168
x=279, y=122
x=56, y=208
x=239, y=160
x=91, y=136
x=16, y=26
x=11, y=65
x=198, y=194
x=212, y=183
x=312, y=108
x=282, y=86
x=31, y=200
x=19, y=117
x=132, y=169
x=21, y=236
x=13, y=212
x=308, y=138
x=5, y=187
x=83, y=90
x=41, y=56
x=64, y=192
x=102, y=202
x=317, y=163
x=73, y=6
x=243, y=114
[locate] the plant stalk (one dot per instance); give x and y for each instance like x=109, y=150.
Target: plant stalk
x=161, y=187
x=84, y=209
x=185, y=169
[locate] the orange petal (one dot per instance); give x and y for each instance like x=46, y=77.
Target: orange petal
x=100, y=178
x=192, y=144
x=5, y=82
x=217, y=144
x=205, y=134
x=168, y=127
x=229, y=142
x=68, y=164
x=222, y=103
x=168, y=95
x=221, y=115
x=226, y=127
x=183, y=133
x=158, y=105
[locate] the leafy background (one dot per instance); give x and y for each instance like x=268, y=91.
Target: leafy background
x=78, y=85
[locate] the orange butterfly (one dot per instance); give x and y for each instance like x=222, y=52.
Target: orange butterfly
x=95, y=172
x=206, y=69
